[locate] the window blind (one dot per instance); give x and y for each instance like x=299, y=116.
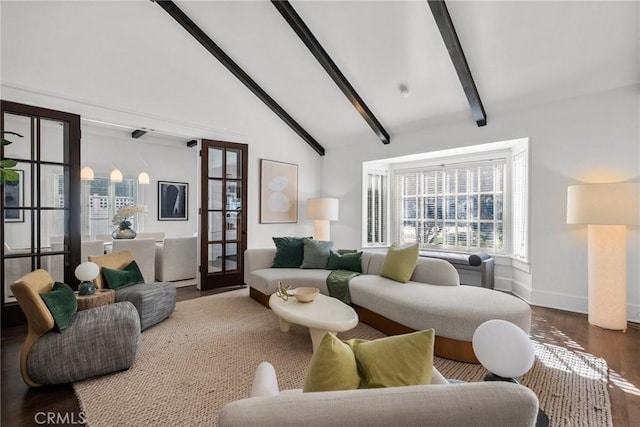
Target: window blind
x=454, y=207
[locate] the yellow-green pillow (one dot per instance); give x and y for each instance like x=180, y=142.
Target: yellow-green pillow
x=333, y=367
x=399, y=263
x=395, y=361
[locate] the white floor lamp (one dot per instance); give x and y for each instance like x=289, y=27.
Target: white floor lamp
x=606, y=209
x=322, y=210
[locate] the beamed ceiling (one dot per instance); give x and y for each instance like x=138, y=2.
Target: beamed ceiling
x=330, y=70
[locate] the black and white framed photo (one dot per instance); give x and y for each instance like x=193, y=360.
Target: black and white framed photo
x=173, y=201
x=13, y=198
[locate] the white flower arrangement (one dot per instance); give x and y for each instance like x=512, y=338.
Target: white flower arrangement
x=121, y=218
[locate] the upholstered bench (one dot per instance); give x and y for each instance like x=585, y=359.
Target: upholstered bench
x=154, y=301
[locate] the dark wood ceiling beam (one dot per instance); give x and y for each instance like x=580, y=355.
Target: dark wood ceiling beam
x=181, y=18
x=297, y=24
x=451, y=41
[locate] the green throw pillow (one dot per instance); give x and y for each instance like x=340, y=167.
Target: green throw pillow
x=395, y=361
x=62, y=303
x=118, y=279
x=400, y=262
x=316, y=253
x=333, y=367
x=289, y=252
x=345, y=261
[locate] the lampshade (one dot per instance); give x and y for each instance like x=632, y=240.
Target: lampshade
x=86, y=173
x=603, y=204
x=322, y=209
x=503, y=348
x=87, y=271
x=116, y=175
x=143, y=178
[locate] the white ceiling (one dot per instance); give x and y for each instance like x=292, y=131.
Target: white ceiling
x=132, y=56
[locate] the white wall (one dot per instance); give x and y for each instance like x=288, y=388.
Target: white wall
x=594, y=138
x=163, y=158
x=264, y=133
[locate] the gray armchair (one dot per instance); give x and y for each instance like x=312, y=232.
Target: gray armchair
x=49, y=357
x=155, y=301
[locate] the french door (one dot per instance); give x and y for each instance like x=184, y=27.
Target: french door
x=224, y=213
x=41, y=209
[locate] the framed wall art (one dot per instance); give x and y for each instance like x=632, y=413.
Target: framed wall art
x=13, y=198
x=173, y=201
x=278, y=192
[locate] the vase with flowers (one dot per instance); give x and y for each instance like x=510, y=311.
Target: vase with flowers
x=122, y=219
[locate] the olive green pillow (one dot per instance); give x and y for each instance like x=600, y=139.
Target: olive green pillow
x=289, y=252
x=62, y=303
x=316, y=253
x=333, y=367
x=395, y=361
x=118, y=279
x=400, y=262
x=345, y=261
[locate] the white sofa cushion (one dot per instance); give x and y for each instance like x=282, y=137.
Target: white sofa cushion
x=453, y=311
x=266, y=279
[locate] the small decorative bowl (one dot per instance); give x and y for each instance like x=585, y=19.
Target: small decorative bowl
x=306, y=294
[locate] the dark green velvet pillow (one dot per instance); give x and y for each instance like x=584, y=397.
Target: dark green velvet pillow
x=345, y=261
x=118, y=279
x=62, y=303
x=316, y=253
x=289, y=252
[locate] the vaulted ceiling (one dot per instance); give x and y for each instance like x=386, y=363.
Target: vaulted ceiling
x=133, y=56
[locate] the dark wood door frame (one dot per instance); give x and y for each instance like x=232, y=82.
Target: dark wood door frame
x=221, y=279
x=11, y=312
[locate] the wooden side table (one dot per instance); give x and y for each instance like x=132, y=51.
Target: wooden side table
x=101, y=297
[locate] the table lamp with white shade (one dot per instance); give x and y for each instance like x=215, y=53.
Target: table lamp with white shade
x=606, y=209
x=322, y=210
x=506, y=351
x=86, y=272
x=503, y=349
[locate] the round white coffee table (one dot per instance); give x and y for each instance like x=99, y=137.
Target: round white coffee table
x=324, y=314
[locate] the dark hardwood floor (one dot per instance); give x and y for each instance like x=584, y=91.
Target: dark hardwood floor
x=23, y=406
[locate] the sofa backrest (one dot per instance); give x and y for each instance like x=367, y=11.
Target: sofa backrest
x=428, y=270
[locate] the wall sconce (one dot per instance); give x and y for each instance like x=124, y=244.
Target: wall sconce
x=143, y=178
x=322, y=210
x=86, y=173
x=115, y=175
x=606, y=209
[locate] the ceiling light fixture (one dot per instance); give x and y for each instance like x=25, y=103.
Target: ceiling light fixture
x=86, y=173
x=404, y=91
x=138, y=133
x=143, y=178
x=116, y=175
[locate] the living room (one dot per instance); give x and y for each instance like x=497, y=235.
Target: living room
x=561, y=75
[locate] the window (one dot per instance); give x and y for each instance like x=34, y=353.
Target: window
x=465, y=199
x=458, y=207
x=376, y=208
x=101, y=199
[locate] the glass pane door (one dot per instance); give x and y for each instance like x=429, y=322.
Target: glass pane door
x=40, y=209
x=224, y=222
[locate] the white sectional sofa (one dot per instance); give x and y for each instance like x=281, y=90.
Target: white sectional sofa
x=480, y=404
x=433, y=298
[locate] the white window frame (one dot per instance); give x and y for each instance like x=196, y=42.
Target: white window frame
x=511, y=151
x=429, y=168
x=98, y=210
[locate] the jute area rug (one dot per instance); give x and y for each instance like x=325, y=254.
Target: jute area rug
x=205, y=354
